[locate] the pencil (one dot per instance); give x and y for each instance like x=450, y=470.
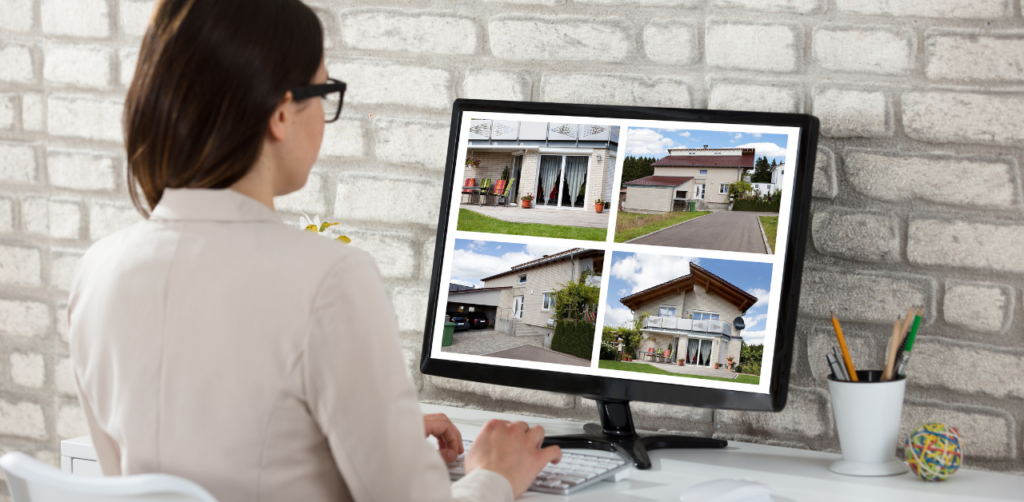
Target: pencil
x=846, y=351
x=890, y=361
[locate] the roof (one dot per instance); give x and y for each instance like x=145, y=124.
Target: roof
x=744, y=161
x=476, y=290
x=659, y=181
x=698, y=276
x=564, y=255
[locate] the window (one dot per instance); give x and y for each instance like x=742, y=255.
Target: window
x=680, y=194
x=667, y=311
x=549, y=301
x=522, y=279
x=723, y=188
x=703, y=172
x=704, y=316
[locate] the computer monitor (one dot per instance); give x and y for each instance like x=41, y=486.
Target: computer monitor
x=622, y=254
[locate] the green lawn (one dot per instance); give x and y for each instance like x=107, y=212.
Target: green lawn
x=771, y=227
x=470, y=221
x=647, y=368
x=632, y=225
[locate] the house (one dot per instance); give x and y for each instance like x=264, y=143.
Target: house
x=685, y=175
x=775, y=184
x=693, y=313
x=562, y=165
x=525, y=293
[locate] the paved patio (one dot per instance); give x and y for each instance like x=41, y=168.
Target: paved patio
x=540, y=354
x=543, y=215
x=691, y=370
x=487, y=342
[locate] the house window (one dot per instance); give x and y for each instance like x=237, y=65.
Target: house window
x=680, y=194
x=562, y=180
x=704, y=316
x=723, y=188
x=667, y=311
x=522, y=279
x=703, y=172
x=549, y=301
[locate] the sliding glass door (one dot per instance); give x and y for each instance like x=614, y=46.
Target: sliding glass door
x=698, y=352
x=562, y=180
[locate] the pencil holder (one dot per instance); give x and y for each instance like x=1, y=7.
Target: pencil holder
x=868, y=420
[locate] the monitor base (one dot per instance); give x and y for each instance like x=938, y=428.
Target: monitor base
x=617, y=434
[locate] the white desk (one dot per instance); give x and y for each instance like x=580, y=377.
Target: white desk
x=794, y=475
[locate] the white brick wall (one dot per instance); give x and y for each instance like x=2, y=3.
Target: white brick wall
x=6, y=216
x=17, y=163
x=133, y=16
x=343, y=138
x=411, y=142
x=106, y=218
x=16, y=15
x=24, y=419
x=79, y=170
x=857, y=235
x=77, y=18
x=83, y=116
x=793, y=6
x=59, y=219
x=979, y=9
x=593, y=88
x=964, y=244
x=856, y=297
x=64, y=376
x=557, y=39
x=966, y=56
x=28, y=369
x=33, y=115
x=853, y=113
x=750, y=46
x=371, y=198
x=494, y=84
x=671, y=41
x=20, y=266
x=16, y=64
x=8, y=105
x=959, y=117
x=980, y=307
x=853, y=49
x=24, y=319
x=63, y=267
x=759, y=98
x=397, y=30
x=310, y=199
x=77, y=66
x=379, y=82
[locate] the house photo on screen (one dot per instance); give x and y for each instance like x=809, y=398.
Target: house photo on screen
x=532, y=302
x=702, y=189
x=687, y=317
x=543, y=179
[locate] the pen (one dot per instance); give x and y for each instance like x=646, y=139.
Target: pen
x=910, y=343
x=832, y=368
x=846, y=351
x=843, y=375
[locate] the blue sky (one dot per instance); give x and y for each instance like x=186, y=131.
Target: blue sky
x=474, y=260
x=633, y=272
x=646, y=142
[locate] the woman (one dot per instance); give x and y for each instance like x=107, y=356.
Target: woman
x=214, y=342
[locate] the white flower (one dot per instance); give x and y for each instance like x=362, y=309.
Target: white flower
x=305, y=221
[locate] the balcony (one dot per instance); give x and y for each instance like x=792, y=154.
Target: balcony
x=509, y=130
x=677, y=325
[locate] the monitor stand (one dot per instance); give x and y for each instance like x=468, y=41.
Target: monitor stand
x=617, y=434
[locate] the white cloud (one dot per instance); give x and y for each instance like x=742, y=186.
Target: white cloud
x=756, y=134
x=646, y=142
x=738, y=136
x=752, y=320
x=460, y=282
x=762, y=297
x=642, y=271
x=685, y=134
x=765, y=149
x=469, y=266
x=617, y=316
x=754, y=337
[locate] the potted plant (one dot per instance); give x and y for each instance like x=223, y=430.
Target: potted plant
x=474, y=163
x=680, y=362
x=716, y=366
x=729, y=360
x=527, y=200
x=599, y=205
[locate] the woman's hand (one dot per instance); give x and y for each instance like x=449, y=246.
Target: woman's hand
x=449, y=439
x=512, y=450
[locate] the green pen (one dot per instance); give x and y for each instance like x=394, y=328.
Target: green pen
x=905, y=356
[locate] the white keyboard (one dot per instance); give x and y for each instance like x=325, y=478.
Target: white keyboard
x=575, y=471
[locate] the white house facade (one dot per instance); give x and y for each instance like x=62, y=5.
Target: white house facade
x=686, y=175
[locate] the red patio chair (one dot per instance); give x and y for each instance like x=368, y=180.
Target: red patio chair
x=470, y=182
x=650, y=353
x=497, y=191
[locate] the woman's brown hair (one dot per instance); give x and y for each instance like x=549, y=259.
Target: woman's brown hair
x=209, y=77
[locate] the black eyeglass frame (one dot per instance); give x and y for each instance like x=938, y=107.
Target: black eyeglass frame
x=321, y=90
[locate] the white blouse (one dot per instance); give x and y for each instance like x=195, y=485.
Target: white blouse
x=216, y=343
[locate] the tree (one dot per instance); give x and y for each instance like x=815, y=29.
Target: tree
x=740, y=189
x=631, y=334
x=576, y=298
x=762, y=171
x=634, y=168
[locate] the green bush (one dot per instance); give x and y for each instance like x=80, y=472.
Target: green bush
x=756, y=205
x=575, y=338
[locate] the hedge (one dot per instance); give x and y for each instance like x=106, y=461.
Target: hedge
x=757, y=205
x=575, y=338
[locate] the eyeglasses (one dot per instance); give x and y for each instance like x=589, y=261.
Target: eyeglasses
x=332, y=93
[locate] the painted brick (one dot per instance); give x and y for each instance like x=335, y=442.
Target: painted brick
x=343, y=138
x=960, y=117
x=55, y=218
x=968, y=368
x=79, y=170
x=978, y=307
x=393, y=252
x=85, y=117
x=33, y=115
x=16, y=64
x=427, y=258
x=411, y=308
x=24, y=318
x=967, y=56
x=391, y=30
x=856, y=235
x=618, y=89
x=643, y=3
x=418, y=142
x=893, y=176
x=502, y=393
x=28, y=369
x=35, y=215
x=412, y=367
x=7, y=111
x=23, y=419
x=127, y=60
x=106, y=218
x=825, y=185
x=310, y=199
x=748, y=46
x=62, y=321
x=16, y=15
x=855, y=297
x=529, y=2
x=379, y=83
x=755, y=98
x=671, y=41
x=881, y=51
x=956, y=9
x=853, y=113
x=20, y=266
x=969, y=245
x=134, y=16
x=64, y=376
x=63, y=267
x=6, y=215
x=806, y=413
x=77, y=65
x=991, y=432
x=17, y=163
x=558, y=39
x=496, y=84
x=867, y=351
x=71, y=421
x=373, y=198
x=788, y=6
x=77, y=18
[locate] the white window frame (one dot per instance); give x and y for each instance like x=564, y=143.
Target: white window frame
x=723, y=188
x=561, y=179
x=703, y=172
x=673, y=307
x=547, y=302
x=696, y=312
x=522, y=279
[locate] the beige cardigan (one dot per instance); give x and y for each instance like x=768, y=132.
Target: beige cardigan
x=216, y=343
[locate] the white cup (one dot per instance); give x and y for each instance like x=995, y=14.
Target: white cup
x=868, y=419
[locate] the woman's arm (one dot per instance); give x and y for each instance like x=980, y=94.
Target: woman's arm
x=107, y=450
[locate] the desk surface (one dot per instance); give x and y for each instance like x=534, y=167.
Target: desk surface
x=794, y=475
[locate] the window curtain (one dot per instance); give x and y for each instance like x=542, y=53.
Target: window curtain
x=550, y=165
x=575, y=175
x=705, y=353
x=691, y=351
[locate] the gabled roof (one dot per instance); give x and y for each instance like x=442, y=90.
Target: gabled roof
x=476, y=290
x=744, y=161
x=564, y=255
x=698, y=276
x=659, y=181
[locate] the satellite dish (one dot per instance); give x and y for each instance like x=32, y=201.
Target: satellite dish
x=738, y=323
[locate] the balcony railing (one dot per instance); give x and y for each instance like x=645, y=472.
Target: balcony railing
x=485, y=129
x=687, y=325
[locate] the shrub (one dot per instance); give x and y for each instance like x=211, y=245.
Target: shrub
x=760, y=206
x=575, y=338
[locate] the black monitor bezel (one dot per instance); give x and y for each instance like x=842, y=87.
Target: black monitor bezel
x=609, y=388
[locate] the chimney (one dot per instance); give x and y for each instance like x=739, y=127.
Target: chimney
x=705, y=147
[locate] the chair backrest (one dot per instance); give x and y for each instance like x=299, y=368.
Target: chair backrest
x=30, y=480
x=668, y=352
x=508, y=187
x=650, y=350
x=499, y=187
x=470, y=182
x=486, y=183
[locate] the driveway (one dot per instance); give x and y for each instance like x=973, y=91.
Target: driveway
x=722, y=231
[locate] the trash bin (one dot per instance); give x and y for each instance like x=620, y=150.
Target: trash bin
x=693, y=206
x=449, y=330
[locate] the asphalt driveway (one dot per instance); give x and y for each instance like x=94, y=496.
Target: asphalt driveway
x=722, y=231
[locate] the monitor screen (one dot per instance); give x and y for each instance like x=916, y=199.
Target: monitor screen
x=598, y=250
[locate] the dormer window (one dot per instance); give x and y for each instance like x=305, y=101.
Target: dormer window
x=522, y=279
x=703, y=172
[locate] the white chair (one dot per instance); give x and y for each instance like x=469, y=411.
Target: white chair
x=30, y=480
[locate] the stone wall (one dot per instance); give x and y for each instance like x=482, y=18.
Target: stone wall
x=914, y=97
